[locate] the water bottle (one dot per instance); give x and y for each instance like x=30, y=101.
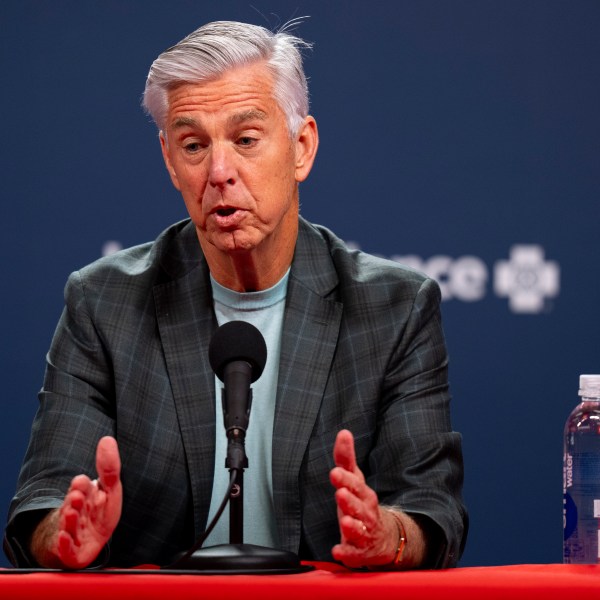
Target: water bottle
x=581, y=476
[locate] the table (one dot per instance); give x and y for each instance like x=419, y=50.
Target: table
x=327, y=581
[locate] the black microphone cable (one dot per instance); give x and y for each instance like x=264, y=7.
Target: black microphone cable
x=211, y=525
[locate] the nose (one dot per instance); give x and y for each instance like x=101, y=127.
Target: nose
x=222, y=169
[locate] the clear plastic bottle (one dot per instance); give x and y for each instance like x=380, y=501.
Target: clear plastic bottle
x=581, y=476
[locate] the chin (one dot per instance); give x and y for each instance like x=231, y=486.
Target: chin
x=230, y=242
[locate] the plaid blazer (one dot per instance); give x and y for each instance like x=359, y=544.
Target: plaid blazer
x=362, y=349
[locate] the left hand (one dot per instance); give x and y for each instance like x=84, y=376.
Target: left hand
x=369, y=534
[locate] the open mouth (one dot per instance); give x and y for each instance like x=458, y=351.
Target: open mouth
x=225, y=212
x=228, y=217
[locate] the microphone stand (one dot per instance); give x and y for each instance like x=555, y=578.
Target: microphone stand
x=236, y=462
x=238, y=557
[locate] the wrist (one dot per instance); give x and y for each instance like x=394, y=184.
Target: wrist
x=43, y=545
x=402, y=540
x=406, y=547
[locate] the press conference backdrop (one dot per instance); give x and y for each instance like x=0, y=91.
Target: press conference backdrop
x=461, y=137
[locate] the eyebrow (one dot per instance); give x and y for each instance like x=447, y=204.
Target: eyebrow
x=247, y=115
x=184, y=122
x=236, y=119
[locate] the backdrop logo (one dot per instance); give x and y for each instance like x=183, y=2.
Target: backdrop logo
x=526, y=278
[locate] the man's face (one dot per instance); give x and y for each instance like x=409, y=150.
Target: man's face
x=229, y=153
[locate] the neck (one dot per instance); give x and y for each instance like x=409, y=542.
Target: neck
x=254, y=270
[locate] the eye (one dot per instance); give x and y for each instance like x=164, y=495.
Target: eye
x=246, y=141
x=192, y=147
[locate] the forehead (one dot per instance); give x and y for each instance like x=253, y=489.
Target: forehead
x=247, y=89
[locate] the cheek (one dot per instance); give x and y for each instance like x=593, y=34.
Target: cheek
x=281, y=174
x=192, y=182
x=279, y=201
x=192, y=191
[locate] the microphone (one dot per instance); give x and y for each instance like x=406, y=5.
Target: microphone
x=237, y=341
x=237, y=354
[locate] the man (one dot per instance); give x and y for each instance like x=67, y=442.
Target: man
x=354, y=393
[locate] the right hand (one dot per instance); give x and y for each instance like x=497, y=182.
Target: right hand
x=73, y=536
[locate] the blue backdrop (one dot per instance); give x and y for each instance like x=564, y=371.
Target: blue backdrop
x=459, y=136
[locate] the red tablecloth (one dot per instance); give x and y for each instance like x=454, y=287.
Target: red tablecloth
x=327, y=581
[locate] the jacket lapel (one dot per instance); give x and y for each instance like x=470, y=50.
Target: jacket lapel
x=186, y=323
x=309, y=337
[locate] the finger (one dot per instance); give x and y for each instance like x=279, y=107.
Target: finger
x=354, y=532
x=70, y=514
x=75, y=501
x=72, y=555
x=82, y=484
x=108, y=463
x=351, y=556
x=358, y=498
x=340, y=478
x=71, y=525
x=65, y=548
x=358, y=510
x=343, y=451
x=354, y=482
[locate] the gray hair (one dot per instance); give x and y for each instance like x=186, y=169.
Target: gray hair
x=214, y=48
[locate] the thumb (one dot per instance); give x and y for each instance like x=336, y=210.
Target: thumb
x=343, y=451
x=108, y=462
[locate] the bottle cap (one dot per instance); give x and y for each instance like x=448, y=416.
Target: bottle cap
x=589, y=385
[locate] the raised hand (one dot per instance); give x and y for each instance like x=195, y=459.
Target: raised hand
x=368, y=532
x=74, y=535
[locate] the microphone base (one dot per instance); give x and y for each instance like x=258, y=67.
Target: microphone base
x=240, y=559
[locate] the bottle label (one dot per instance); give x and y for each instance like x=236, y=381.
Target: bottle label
x=569, y=516
x=581, y=505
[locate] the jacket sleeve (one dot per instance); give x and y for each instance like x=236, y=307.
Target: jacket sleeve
x=416, y=461
x=75, y=411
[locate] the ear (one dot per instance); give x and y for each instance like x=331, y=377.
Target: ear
x=307, y=142
x=164, y=146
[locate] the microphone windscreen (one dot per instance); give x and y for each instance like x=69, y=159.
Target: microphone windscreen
x=237, y=340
